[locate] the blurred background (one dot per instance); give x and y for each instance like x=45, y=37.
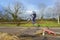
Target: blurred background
x=18, y=12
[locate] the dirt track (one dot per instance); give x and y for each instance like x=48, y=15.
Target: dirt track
x=24, y=30
x=30, y=31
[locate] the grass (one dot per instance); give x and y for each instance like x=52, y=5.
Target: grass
x=42, y=23
x=7, y=25
x=8, y=36
x=50, y=24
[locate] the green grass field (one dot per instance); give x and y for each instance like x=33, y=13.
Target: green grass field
x=29, y=24
x=43, y=24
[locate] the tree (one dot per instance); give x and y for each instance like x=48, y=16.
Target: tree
x=0, y=15
x=42, y=9
x=17, y=9
x=50, y=12
x=57, y=9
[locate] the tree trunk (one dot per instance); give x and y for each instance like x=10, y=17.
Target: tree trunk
x=58, y=19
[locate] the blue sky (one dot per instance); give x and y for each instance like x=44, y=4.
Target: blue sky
x=29, y=4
